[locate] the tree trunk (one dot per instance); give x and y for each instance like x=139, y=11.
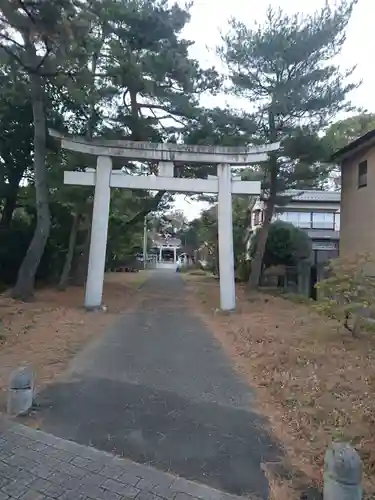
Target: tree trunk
x=11, y=198
x=9, y=207
x=257, y=261
x=248, y=229
x=82, y=262
x=80, y=269
x=24, y=287
x=137, y=132
x=70, y=254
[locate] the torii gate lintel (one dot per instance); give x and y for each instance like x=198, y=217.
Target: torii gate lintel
x=104, y=178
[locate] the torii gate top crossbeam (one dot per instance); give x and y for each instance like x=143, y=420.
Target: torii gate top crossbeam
x=183, y=153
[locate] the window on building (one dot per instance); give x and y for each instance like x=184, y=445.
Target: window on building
x=323, y=220
x=283, y=216
x=298, y=219
x=337, y=222
x=304, y=220
x=279, y=216
x=362, y=174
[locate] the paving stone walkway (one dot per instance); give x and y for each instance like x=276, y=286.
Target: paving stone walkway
x=158, y=389
x=38, y=466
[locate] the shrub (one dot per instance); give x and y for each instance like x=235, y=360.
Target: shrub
x=243, y=270
x=348, y=292
x=286, y=245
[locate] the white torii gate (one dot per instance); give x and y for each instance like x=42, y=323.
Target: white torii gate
x=167, y=155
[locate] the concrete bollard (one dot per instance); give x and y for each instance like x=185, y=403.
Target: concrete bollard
x=20, y=391
x=342, y=473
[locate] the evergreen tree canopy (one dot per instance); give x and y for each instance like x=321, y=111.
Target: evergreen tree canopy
x=286, y=71
x=286, y=245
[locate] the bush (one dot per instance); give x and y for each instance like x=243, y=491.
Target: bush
x=17, y=238
x=286, y=245
x=14, y=245
x=243, y=271
x=348, y=292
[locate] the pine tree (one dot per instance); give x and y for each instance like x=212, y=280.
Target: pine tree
x=286, y=70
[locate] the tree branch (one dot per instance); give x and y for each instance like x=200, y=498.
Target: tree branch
x=43, y=59
x=10, y=53
x=151, y=206
x=9, y=39
x=158, y=106
x=26, y=11
x=35, y=70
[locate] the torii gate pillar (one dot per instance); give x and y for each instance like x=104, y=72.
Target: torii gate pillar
x=99, y=232
x=225, y=236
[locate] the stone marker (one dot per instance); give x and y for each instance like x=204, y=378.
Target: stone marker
x=20, y=391
x=342, y=473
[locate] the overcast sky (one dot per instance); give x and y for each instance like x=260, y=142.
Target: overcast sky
x=210, y=17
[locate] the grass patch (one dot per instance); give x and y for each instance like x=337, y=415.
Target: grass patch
x=48, y=331
x=296, y=298
x=197, y=272
x=198, y=275
x=131, y=280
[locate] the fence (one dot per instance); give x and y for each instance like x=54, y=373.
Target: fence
x=283, y=277
x=299, y=279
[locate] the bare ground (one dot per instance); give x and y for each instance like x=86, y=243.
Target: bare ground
x=48, y=331
x=313, y=381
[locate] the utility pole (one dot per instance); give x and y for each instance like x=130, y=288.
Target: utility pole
x=145, y=242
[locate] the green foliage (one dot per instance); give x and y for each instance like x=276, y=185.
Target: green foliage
x=348, y=292
x=240, y=224
x=18, y=236
x=114, y=69
x=17, y=240
x=171, y=222
x=16, y=125
x=286, y=69
x=343, y=132
x=286, y=245
x=122, y=70
x=243, y=270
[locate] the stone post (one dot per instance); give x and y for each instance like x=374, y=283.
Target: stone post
x=320, y=275
x=99, y=231
x=174, y=255
x=20, y=391
x=145, y=242
x=304, y=278
x=160, y=254
x=225, y=229
x=342, y=473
